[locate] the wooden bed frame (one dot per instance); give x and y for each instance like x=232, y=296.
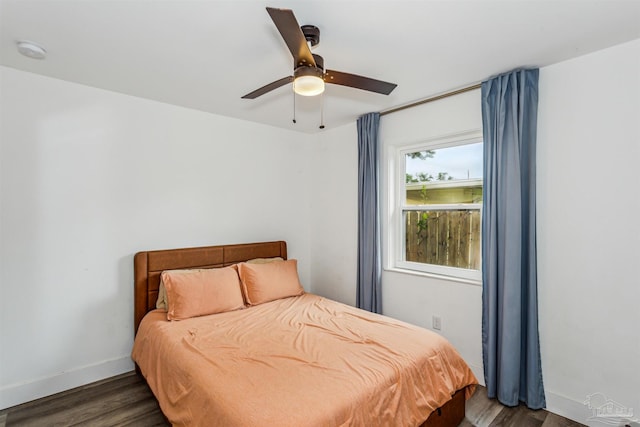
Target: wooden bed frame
x=148, y=266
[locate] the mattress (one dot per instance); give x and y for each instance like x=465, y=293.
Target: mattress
x=299, y=361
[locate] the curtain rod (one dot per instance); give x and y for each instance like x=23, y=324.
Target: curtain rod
x=433, y=98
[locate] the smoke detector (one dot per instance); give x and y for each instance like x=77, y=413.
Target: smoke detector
x=31, y=50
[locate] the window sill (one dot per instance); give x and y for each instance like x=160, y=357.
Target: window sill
x=434, y=276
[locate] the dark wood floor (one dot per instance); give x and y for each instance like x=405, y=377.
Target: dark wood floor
x=481, y=411
x=126, y=400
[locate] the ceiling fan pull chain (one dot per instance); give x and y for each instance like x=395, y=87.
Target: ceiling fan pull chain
x=322, y=110
x=294, y=107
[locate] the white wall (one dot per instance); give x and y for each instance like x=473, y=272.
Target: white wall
x=588, y=229
x=334, y=218
x=89, y=177
x=588, y=232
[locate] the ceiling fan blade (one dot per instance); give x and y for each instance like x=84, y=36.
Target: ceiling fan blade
x=268, y=88
x=359, y=82
x=290, y=31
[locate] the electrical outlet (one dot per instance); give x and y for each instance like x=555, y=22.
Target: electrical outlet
x=436, y=322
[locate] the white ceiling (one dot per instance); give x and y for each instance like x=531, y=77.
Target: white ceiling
x=207, y=54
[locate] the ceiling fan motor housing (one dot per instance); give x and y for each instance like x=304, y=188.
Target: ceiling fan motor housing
x=305, y=70
x=319, y=61
x=311, y=33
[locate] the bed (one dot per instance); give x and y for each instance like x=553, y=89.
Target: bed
x=300, y=360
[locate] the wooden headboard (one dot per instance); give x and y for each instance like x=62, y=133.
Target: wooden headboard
x=148, y=265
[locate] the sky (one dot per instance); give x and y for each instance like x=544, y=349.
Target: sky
x=461, y=162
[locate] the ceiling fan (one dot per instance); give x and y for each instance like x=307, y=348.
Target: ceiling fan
x=309, y=76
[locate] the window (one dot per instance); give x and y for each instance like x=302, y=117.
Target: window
x=438, y=207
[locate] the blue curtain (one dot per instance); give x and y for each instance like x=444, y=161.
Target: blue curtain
x=510, y=344
x=369, y=289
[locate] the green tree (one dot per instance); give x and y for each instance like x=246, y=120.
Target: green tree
x=410, y=179
x=424, y=177
x=422, y=155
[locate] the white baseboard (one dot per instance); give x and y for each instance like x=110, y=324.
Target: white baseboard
x=568, y=408
x=578, y=411
x=16, y=394
x=564, y=406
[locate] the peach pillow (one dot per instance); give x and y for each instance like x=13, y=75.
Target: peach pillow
x=161, y=302
x=267, y=282
x=193, y=293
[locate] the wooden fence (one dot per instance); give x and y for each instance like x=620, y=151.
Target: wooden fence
x=449, y=238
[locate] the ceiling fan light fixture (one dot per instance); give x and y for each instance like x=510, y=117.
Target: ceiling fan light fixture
x=308, y=81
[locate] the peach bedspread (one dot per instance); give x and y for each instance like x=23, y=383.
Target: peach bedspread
x=300, y=361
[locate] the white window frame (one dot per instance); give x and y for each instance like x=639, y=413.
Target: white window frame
x=397, y=206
